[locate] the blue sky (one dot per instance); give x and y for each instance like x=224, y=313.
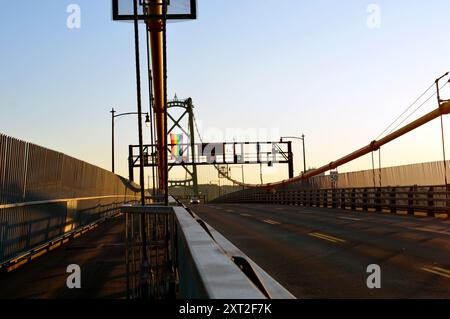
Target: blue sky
x=302, y=66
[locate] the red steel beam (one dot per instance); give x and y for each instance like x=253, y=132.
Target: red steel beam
x=155, y=29
x=373, y=146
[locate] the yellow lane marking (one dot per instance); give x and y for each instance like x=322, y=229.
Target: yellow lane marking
x=321, y=237
x=442, y=269
x=437, y=271
x=350, y=218
x=327, y=237
x=420, y=214
x=272, y=222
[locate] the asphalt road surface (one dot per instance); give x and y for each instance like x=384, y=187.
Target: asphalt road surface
x=323, y=253
x=99, y=253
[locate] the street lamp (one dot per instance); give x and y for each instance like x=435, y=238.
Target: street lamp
x=303, y=140
x=113, y=116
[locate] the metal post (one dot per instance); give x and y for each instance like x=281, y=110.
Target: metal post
x=192, y=142
x=112, y=139
x=156, y=27
x=304, y=154
x=130, y=164
x=290, y=159
x=261, y=174
x=243, y=181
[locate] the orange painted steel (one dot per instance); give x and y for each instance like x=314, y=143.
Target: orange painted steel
x=155, y=28
x=373, y=146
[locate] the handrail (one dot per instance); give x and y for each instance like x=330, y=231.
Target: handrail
x=205, y=261
x=62, y=200
x=414, y=199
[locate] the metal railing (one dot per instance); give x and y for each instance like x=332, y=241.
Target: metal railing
x=427, y=200
x=171, y=253
x=150, y=252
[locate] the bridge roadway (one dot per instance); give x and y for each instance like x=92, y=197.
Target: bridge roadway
x=323, y=253
x=313, y=252
x=99, y=253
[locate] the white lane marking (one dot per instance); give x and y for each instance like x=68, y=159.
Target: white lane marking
x=429, y=230
x=349, y=218
x=230, y=211
x=246, y=215
x=272, y=222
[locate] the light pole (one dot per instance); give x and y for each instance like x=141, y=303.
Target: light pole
x=302, y=138
x=113, y=116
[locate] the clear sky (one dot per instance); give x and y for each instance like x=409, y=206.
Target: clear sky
x=280, y=67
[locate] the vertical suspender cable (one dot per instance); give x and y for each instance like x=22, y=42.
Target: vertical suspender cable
x=373, y=171
x=141, y=151
x=151, y=115
x=139, y=102
x=443, y=153
x=442, y=133
x=166, y=167
x=379, y=165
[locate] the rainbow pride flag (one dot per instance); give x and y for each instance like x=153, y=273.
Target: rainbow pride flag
x=176, y=149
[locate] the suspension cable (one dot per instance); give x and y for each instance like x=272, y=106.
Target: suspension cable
x=422, y=104
x=406, y=110
x=374, y=145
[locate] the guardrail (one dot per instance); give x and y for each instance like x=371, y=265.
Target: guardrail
x=411, y=200
x=184, y=257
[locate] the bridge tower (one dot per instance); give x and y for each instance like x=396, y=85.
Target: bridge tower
x=184, y=122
